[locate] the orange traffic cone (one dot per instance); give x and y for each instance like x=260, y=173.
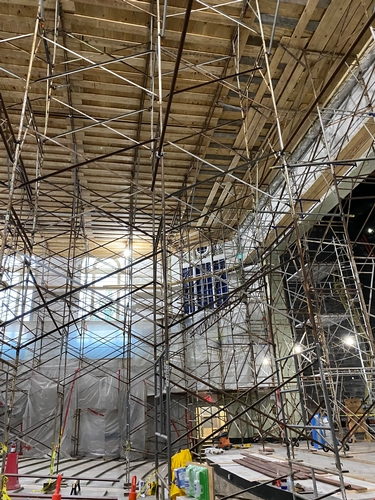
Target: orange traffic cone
x=133, y=489
x=57, y=494
x=11, y=467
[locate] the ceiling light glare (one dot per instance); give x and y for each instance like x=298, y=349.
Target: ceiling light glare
x=370, y=230
x=127, y=252
x=266, y=361
x=349, y=340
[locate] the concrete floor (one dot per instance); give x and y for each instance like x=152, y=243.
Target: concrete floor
x=358, y=462
x=90, y=469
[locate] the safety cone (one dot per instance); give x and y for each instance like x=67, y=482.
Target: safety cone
x=133, y=489
x=11, y=467
x=57, y=494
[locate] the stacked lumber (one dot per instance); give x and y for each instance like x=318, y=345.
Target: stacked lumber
x=271, y=468
x=274, y=468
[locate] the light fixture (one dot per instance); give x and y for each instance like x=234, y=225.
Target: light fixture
x=266, y=361
x=297, y=349
x=349, y=340
x=370, y=230
x=127, y=252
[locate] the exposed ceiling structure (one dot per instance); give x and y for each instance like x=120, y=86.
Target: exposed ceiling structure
x=132, y=116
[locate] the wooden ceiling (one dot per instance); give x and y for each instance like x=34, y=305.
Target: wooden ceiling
x=92, y=169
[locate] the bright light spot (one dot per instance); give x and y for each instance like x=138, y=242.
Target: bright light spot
x=127, y=252
x=266, y=361
x=349, y=340
x=370, y=230
x=297, y=348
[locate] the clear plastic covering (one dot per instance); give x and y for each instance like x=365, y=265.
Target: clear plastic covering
x=42, y=429
x=97, y=402
x=99, y=432
x=132, y=419
x=93, y=417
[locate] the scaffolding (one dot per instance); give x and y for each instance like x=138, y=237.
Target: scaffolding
x=138, y=318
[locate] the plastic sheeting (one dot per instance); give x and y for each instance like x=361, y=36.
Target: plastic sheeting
x=132, y=419
x=99, y=433
x=39, y=424
x=97, y=404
